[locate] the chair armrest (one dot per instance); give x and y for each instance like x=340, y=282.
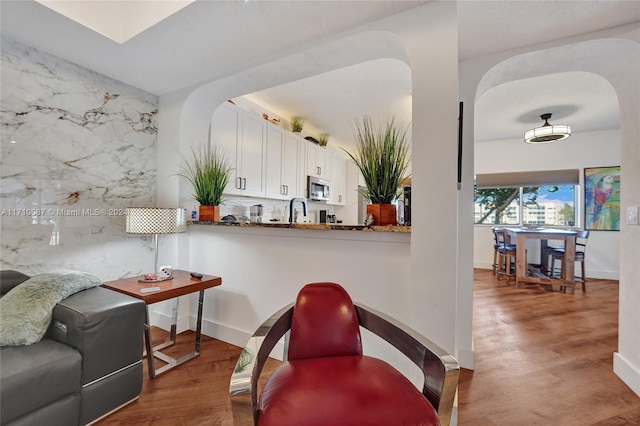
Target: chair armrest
x=441, y=370
x=243, y=386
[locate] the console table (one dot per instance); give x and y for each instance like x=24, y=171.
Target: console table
x=181, y=284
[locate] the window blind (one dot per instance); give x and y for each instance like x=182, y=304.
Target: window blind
x=534, y=178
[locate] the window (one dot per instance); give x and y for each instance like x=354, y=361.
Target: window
x=549, y=205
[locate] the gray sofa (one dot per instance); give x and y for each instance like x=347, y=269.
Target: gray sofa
x=87, y=365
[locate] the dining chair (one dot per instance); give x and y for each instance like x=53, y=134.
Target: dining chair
x=558, y=254
x=494, y=266
x=506, y=253
x=326, y=379
x=546, y=253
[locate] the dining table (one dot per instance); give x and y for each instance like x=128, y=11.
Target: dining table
x=535, y=275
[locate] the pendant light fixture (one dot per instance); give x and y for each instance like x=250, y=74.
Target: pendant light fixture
x=547, y=133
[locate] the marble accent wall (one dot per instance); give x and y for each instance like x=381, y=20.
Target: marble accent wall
x=77, y=149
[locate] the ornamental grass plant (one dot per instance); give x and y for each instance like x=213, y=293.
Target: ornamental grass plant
x=297, y=124
x=208, y=173
x=382, y=154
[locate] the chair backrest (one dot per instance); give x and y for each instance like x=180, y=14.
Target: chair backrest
x=324, y=323
x=500, y=236
x=581, y=241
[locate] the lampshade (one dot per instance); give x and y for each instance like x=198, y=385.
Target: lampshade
x=155, y=220
x=547, y=133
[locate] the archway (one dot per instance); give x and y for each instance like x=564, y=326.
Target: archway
x=618, y=61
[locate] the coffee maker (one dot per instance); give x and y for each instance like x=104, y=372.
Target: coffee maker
x=404, y=206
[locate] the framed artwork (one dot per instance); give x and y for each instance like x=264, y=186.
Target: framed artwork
x=602, y=198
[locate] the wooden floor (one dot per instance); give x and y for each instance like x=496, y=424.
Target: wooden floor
x=542, y=358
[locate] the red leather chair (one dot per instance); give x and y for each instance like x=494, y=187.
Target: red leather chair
x=326, y=379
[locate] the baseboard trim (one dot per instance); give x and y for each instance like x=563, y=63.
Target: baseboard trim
x=163, y=321
x=233, y=335
x=627, y=372
x=596, y=275
x=466, y=359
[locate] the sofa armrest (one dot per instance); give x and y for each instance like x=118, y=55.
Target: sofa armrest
x=9, y=279
x=106, y=327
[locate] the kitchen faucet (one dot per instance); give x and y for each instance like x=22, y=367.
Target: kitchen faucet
x=292, y=218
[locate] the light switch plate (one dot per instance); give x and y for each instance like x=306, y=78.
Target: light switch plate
x=632, y=215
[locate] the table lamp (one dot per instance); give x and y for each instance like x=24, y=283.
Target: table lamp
x=155, y=220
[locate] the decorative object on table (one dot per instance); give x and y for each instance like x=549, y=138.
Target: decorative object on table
x=297, y=124
x=602, y=198
x=166, y=272
x=381, y=154
x=547, y=133
x=155, y=220
x=323, y=139
x=208, y=173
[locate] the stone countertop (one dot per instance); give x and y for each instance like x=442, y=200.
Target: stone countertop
x=310, y=226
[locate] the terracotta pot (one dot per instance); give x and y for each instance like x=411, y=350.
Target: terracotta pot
x=383, y=214
x=209, y=213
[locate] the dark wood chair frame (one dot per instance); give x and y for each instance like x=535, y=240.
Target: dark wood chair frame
x=581, y=247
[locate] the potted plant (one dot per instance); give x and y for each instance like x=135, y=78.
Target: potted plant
x=323, y=139
x=297, y=124
x=208, y=173
x=382, y=155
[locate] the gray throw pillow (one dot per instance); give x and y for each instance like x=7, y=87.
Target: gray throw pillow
x=25, y=311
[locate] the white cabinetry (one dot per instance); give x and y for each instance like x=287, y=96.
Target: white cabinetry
x=338, y=183
x=251, y=165
x=290, y=165
x=317, y=164
x=225, y=129
x=281, y=164
x=241, y=136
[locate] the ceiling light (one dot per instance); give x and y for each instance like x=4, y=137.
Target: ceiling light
x=547, y=133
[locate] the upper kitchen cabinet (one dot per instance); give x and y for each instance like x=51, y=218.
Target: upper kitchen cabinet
x=242, y=136
x=338, y=185
x=224, y=132
x=318, y=161
x=282, y=152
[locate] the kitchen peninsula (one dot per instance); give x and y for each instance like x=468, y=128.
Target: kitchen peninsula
x=265, y=265
x=310, y=226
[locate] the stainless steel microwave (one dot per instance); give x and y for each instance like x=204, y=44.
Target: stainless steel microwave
x=317, y=189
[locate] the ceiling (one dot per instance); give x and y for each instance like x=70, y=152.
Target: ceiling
x=185, y=49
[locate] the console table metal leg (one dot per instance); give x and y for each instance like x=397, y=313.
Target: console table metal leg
x=199, y=321
x=148, y=349
x=155, y=351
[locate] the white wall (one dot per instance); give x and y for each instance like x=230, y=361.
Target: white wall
x=592, y=149
x=264, y=268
